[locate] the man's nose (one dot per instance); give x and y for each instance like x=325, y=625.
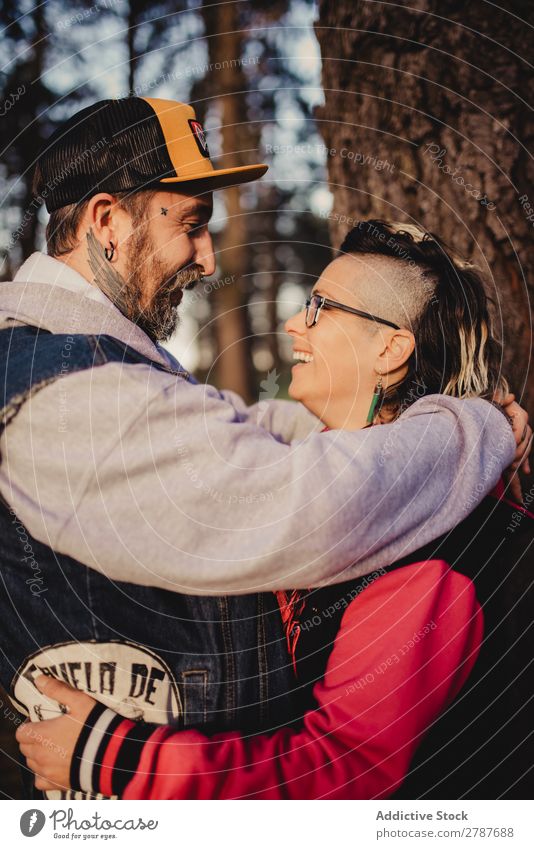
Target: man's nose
x=204, y=254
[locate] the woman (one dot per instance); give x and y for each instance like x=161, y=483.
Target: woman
x=393, y=318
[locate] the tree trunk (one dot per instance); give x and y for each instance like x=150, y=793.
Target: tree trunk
x=227, y=84
x=32, y=140
x=426, y=122
x=135, y=10
x=416, y=100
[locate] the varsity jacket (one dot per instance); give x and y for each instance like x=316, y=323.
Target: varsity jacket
x=404, y=649
x=382, y=665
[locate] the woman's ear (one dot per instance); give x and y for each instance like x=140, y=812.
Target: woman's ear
x=396, y=353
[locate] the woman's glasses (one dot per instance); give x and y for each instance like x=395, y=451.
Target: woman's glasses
x=316, y=303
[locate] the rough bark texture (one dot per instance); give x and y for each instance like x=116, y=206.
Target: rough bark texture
x=31, y=137
x=227, y=85
x=417, y=99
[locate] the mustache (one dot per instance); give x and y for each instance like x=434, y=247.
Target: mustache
x=186, y=278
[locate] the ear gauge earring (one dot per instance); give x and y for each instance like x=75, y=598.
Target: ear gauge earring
x=374, y=401
x=109, y=252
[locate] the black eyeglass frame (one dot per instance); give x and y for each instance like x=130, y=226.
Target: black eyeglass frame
x=326, y=302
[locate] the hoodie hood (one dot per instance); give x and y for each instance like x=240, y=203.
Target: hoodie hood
x=46, y=293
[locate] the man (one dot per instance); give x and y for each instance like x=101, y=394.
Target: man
x=129, y=487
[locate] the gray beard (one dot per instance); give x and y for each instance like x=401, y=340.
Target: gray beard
x=158, y=319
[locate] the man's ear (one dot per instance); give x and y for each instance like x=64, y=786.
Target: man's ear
x=396, y=352
x=108, y=221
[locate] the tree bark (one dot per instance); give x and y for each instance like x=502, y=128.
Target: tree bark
x=419, y=99
x=32, y=140
x=227, y=85
x=134, y=13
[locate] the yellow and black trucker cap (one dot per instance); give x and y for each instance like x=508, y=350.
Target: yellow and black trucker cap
x=129, y=144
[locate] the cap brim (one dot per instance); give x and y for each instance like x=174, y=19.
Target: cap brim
x=221, y=178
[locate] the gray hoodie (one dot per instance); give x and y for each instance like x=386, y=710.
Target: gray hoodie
x=159, y=481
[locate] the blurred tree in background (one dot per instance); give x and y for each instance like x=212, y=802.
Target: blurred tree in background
x=25, y=99
x=244, y=99
x=237, y=64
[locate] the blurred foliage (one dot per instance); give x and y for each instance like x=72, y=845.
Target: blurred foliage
x=273, y=245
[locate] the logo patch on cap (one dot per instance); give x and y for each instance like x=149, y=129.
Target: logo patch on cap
x=200, y=137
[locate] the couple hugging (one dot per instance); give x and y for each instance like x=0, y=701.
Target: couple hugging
x=228, y=604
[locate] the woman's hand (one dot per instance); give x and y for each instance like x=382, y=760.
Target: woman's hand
x=523, y=438
x=48, y=746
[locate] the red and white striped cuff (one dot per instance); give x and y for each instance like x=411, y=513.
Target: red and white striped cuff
x=107, y=752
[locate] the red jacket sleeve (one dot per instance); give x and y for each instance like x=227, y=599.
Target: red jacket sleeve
x=405, y=648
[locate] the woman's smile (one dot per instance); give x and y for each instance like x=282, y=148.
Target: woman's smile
x=302, y=357
x=333, y=359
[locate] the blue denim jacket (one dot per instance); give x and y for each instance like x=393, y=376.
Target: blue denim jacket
x=219, y=663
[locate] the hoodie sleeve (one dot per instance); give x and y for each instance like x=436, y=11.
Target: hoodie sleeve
x=159, y=482
x=405, y=648
x=287, y=421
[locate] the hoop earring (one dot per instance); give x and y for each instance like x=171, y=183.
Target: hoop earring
x=374, y=401
x=109, y=253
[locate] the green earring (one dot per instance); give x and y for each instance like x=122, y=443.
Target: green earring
x=374, y=401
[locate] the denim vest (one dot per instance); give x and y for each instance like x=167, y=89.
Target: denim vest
x=218, y=663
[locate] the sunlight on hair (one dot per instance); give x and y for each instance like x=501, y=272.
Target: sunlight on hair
x=473, y=378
